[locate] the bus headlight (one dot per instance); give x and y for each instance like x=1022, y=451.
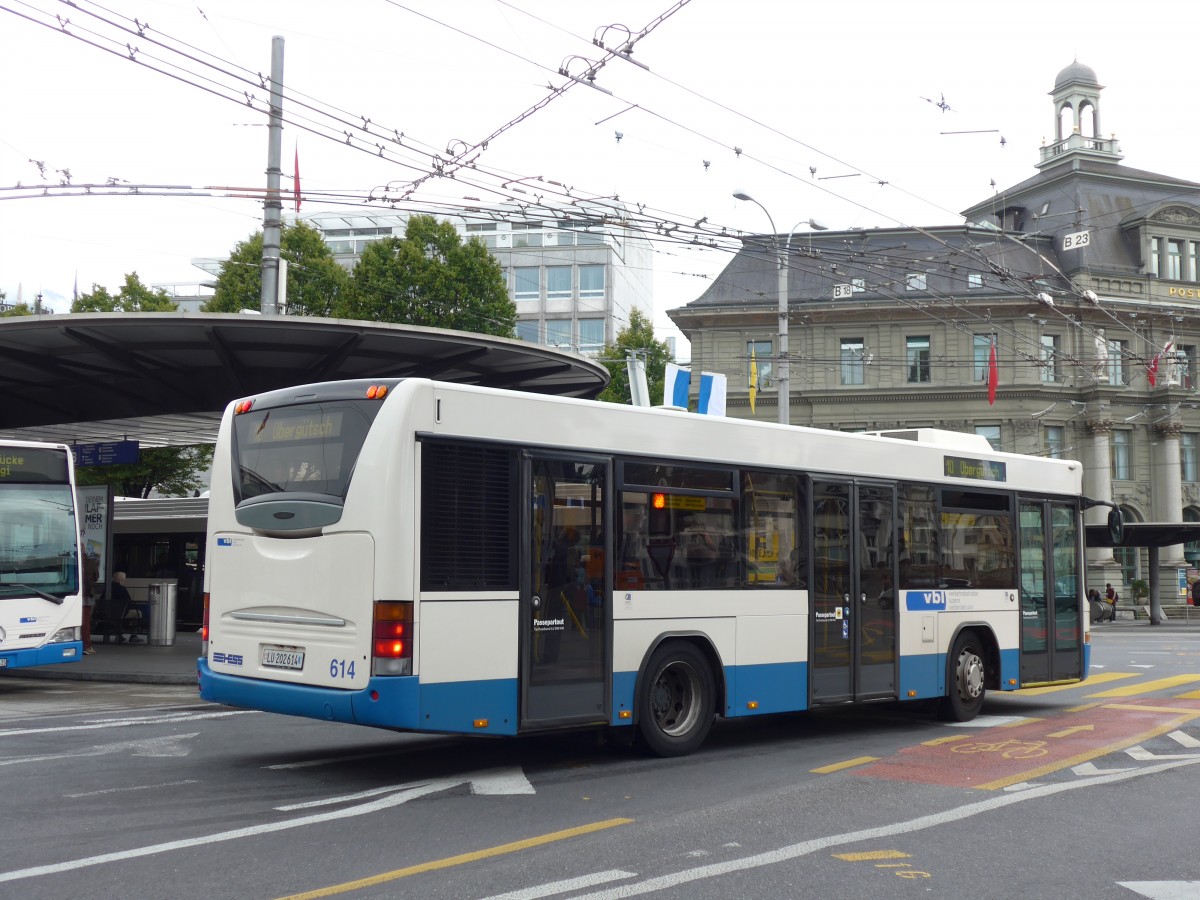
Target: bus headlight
x=64, y=635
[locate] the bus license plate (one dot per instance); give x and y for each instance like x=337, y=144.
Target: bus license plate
x=283, y=657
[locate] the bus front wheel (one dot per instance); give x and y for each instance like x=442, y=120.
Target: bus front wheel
x=965, y=684
x=677, y=699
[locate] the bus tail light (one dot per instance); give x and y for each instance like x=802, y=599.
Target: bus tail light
x=392, y=638
x=204, y=627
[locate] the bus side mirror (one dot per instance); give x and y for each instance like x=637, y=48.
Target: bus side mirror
x=1116, y=526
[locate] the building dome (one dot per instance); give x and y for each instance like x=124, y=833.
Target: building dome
x=1076, y=72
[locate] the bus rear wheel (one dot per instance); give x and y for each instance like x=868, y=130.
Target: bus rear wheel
x=965, y=684
x=677, y=700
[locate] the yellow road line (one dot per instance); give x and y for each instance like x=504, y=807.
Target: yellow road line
x=1145, y=687
x=458, y=860
x=1094, y=679
x=872, y=854
x=848, y=764
x=1031, y=774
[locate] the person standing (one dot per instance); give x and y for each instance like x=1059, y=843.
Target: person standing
x=1196, y=592
x=91, y=568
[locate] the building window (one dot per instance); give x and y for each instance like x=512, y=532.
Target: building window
x=918, y=359
x=1049, y=357
x=558, y=333
x=1117, y=351
x=591, y=282
x=1120, y=455
x=528, y=282
x=1185, y=358
x=760, y=352
x=852, y=360
x=1055, y=436
x=1156, y=255
x=558, y=282
x=527, y=330
x=591, y=335
x=914, y=281
x=974, y=280
x=1188, y=469
x=1193, y=261
x=1174, y=260
x=991, y=432
x=981, y=348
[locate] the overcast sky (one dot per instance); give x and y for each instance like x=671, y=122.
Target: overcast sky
x=849, y=90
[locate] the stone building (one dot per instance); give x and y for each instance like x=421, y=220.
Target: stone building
x=1083, y=280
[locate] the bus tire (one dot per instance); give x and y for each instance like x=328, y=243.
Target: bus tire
x=966, y=674
x=677, y=700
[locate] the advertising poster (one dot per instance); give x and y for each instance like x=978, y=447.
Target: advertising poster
x=95, y=520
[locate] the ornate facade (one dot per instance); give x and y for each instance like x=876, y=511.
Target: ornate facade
x=1085, y=279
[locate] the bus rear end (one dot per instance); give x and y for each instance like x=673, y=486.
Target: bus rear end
x=294, y=622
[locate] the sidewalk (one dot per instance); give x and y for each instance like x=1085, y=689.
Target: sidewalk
x=140, y=663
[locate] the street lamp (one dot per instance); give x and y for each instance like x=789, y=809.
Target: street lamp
x=784, y=377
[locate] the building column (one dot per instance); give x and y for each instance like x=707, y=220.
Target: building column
x=1167, y=492
x=1097, y=484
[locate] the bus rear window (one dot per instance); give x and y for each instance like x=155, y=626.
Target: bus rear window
x=309, y=448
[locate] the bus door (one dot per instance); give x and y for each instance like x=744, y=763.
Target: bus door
x=565, y=590
x=853, y=595
x=1051, y=620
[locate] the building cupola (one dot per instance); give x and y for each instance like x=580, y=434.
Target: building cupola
x=1077, y=133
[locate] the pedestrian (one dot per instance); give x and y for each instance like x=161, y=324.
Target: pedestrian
x=1196, y=592
x=1111, y=596
x=91, y=568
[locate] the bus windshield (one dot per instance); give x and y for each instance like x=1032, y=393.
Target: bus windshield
x=38, y=540
x=309, y=448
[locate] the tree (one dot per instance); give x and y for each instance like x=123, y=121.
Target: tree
x=17, y=309
x=637, y=336
x=172, y=471
x=430, y=277
x=133, y=297
x=315, y=280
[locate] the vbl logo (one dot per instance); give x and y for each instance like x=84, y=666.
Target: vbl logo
x=935, y=598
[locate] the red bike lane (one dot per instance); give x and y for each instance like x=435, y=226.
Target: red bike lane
x=995, y=758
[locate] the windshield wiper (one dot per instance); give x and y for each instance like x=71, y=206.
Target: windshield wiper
x=30, y=587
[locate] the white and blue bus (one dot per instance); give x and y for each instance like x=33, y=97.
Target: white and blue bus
x=41, y=601
x=437, y=557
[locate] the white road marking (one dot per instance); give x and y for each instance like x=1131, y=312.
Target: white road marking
x=1164, y=890
x=395, y=799
x=561, y=887
x=1183, y=739
x=794, y=851
x=1141, y=754
x=139, y=787
x=123, y=723
x=498, y=781
x=986, y=721
x=168, y=745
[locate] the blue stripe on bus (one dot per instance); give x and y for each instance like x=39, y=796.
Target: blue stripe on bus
x=68, y=652
x=773, y=687
x=400, y=702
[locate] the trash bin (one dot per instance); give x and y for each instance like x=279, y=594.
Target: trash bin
x=162, y=614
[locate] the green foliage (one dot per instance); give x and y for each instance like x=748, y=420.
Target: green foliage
x=1140, y=589
x=18, y=309
x=133, y=297
x=430, y=278
x=315, y=280
x=172, y=471
x=637, y=335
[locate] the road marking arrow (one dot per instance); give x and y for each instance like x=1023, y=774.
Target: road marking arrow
x=1087, y=770
x=1067, y=732
x=1163, y=890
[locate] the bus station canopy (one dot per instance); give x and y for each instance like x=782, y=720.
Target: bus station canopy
x=1145, y=534
x=165, y=378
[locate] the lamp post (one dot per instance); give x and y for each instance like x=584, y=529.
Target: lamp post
x=783, y=379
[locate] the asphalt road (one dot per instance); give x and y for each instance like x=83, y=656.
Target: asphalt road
x=135, y=791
